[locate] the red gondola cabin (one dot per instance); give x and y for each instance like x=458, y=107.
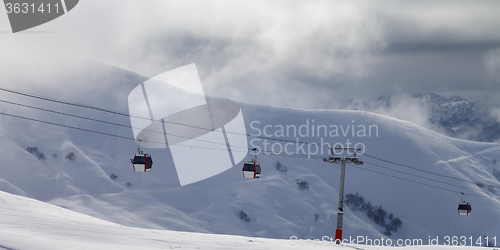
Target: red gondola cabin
x=142, y=162
x=251, y=169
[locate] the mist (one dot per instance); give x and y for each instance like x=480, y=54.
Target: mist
x=309, y=55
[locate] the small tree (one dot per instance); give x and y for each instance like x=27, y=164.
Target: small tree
x=71, y=156
x=244, y=216
x=34, y=151
x=280, y=167
x=393, y=226
x=367, y=207
x=316, y=217
x=113, y=176
x=302, y=184
x=378, y=215
x=354, y=201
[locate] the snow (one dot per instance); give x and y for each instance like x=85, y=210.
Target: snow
x=144, y=213
x=30, y=224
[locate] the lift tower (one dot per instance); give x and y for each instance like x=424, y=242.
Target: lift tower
x=342, y=160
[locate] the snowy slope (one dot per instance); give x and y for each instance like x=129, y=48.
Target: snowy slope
x=275, y=205
x=277, y=208
x=31, y=224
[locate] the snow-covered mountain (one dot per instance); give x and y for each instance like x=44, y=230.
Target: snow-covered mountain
x=76, y=166
x=455, y=116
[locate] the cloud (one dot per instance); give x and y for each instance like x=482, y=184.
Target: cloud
x=408, y=108
x=439, y=22
x=299, y=54
x=495, y=113
x=492, y=63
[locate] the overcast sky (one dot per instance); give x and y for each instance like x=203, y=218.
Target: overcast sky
x=305, y=54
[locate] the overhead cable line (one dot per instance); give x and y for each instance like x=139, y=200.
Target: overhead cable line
x=208, y=129
x=445, y=189
x=424, y=171
x=61, y=125
x=139, y=117
x=66, y=102
x=130, y=138
x=416, y=175
x=111, y=123
x=267, y=153
x=103, y=133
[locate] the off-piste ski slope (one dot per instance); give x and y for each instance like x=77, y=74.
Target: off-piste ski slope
x=274, y=206
x=30, y=224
